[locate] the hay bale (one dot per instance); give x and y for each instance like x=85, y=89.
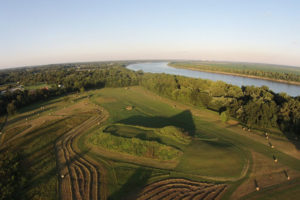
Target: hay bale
x=129, y=108
x=257, y=188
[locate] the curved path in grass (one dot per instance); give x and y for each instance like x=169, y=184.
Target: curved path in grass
x=78, y=177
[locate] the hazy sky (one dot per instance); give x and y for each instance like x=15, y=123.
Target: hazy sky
x=53, y=31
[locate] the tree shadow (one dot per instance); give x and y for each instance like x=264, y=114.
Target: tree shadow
x=133, y=186
x=183, y=120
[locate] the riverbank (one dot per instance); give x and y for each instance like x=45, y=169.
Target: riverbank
x=237, y=74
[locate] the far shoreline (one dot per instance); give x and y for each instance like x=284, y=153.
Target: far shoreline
x=237, y=74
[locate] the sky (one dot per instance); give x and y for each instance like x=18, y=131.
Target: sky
x=36, y=32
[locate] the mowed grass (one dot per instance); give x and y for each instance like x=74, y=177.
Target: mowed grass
x=39, y=86
x=37, y=144
x=199, y=156
x=212, y=159
x=287, y=191
x=216, y=152
x=38, y=148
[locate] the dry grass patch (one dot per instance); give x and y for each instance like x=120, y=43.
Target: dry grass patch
x=266, y=173
x=182, y=189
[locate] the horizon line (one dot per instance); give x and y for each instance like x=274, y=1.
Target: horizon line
x=145, y=60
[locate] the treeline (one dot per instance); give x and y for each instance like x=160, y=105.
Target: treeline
x=254, y=106
x=12, y=176
x=63, y=80
x=272, y=74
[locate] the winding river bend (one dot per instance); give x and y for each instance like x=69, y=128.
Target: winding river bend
x=163, y=67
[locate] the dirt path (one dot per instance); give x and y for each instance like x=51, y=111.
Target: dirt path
x=78, y=177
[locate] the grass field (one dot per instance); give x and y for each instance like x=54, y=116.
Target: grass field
x=39, y=86
x=213, y=152
x=242, y=66
x=283, y=191
x=149, y=112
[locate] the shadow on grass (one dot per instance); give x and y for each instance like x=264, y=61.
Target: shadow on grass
x=183, y=120
x=133, y=186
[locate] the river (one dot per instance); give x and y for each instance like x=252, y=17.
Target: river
x=163, y=67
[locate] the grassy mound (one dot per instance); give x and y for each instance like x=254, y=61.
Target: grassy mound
x=135, y=146
x=174, y=133
x=152, y=134
x=136, y=141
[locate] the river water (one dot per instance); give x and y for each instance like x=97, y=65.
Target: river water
x=162, y=67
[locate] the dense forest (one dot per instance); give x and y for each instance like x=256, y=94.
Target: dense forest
x=256, y=107
x=261, y=70
x=12, y=175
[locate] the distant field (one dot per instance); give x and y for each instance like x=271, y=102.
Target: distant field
x=39, y=86
x=241, y=65
x=215, y=153
x=268, y=71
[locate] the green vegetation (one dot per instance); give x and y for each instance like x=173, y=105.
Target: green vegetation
x=154, y=134
x=12, y=175
x=37, y=86
x=135, y=146
x=178, y=127
x=256, y=107
x=142, y=141
x=276, y=72
x=289, y=190
x=151, y=115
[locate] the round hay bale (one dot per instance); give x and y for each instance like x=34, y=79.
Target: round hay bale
x=257, y=188
x=129, y=108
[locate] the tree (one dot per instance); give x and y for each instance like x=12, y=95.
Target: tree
x=82, y=89
x=11, y=108
x=12, y=176
x=224, y=116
